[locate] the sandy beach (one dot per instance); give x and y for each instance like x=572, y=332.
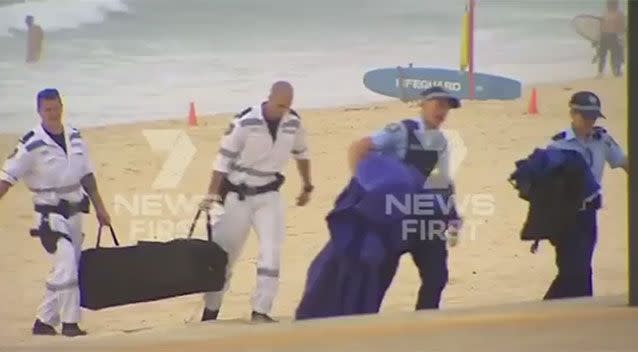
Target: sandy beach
x=490, y=265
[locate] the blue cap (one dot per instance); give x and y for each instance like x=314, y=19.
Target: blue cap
x=587, y=104
x=440, y=93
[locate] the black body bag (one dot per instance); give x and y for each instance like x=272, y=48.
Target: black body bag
x=150, y=271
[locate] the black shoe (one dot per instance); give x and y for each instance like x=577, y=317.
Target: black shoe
x=261, y=318
x=209, y=314
x=72, y=330
x=40, y=328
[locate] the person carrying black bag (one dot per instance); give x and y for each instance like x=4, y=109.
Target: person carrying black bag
x=53, y=161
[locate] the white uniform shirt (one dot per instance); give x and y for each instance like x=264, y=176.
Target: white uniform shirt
x=596, y=149
x=249, y=155
x=46, y=169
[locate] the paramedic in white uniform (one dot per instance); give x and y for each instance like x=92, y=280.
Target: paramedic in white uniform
x=60, y=176
x=246, y=179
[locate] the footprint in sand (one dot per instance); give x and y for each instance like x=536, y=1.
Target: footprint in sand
x=355, y=109
x=129, y=331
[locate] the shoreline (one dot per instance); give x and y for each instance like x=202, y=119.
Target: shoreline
x=490, y=265
x=383, y=101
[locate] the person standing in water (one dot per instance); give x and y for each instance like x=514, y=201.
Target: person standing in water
x=35, y=36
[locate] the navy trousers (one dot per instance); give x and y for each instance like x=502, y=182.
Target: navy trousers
x=573, y=259
x=430, y=257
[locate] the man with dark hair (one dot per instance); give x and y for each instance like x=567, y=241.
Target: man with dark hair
x=419, y=142
x=597, y=147
x=59, y=173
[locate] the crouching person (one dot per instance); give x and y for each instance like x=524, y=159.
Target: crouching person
x=57, y=170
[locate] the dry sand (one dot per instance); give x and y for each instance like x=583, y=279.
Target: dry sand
x=493, y=267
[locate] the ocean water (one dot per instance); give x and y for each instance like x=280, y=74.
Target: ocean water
x=130, y=60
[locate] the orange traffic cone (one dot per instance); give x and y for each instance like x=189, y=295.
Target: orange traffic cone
x=532, y=108
x=192, y=117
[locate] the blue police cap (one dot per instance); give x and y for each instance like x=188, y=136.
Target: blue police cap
x=587, y=104
x=441, y=93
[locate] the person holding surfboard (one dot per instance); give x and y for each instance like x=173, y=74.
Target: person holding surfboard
x=420, y=143
x=612, y=27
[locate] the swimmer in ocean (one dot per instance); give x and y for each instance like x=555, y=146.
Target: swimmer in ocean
x=35, y=35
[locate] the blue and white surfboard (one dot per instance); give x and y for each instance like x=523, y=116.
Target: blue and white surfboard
x=406, y=83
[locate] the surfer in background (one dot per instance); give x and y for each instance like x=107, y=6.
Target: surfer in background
x=612, y=27
x=35, y=35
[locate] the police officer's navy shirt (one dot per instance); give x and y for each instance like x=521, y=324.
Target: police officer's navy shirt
x=596, y=149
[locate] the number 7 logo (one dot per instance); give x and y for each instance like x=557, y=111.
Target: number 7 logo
x=181, y=151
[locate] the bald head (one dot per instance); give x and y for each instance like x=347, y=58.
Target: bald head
x=280, y=99
x=281, y=88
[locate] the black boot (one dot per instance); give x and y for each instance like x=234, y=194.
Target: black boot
x=261, y=318
x=209, y=314
x=72, y=330
x=40, y=328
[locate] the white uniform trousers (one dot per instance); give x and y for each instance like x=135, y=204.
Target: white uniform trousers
x=265, y=213
x=62, y=297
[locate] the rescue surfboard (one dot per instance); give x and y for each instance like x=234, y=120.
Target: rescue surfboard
x=406, y=83
x=587, y=26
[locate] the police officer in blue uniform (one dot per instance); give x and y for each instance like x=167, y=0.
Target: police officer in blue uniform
x=595, y=144
x=419, y=142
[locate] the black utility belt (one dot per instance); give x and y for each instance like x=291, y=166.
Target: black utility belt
x=49, y=237
x=65, y=208
x=244, y=190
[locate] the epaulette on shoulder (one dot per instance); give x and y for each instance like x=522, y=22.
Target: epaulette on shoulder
x=409, y=124
x=293, y=112
x=599, y=132
x=559, y=136
x=26, y=137
x=243, y=113
x=600, y=129
x=75, y=133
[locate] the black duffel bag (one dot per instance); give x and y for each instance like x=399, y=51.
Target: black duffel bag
x=150, y=271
